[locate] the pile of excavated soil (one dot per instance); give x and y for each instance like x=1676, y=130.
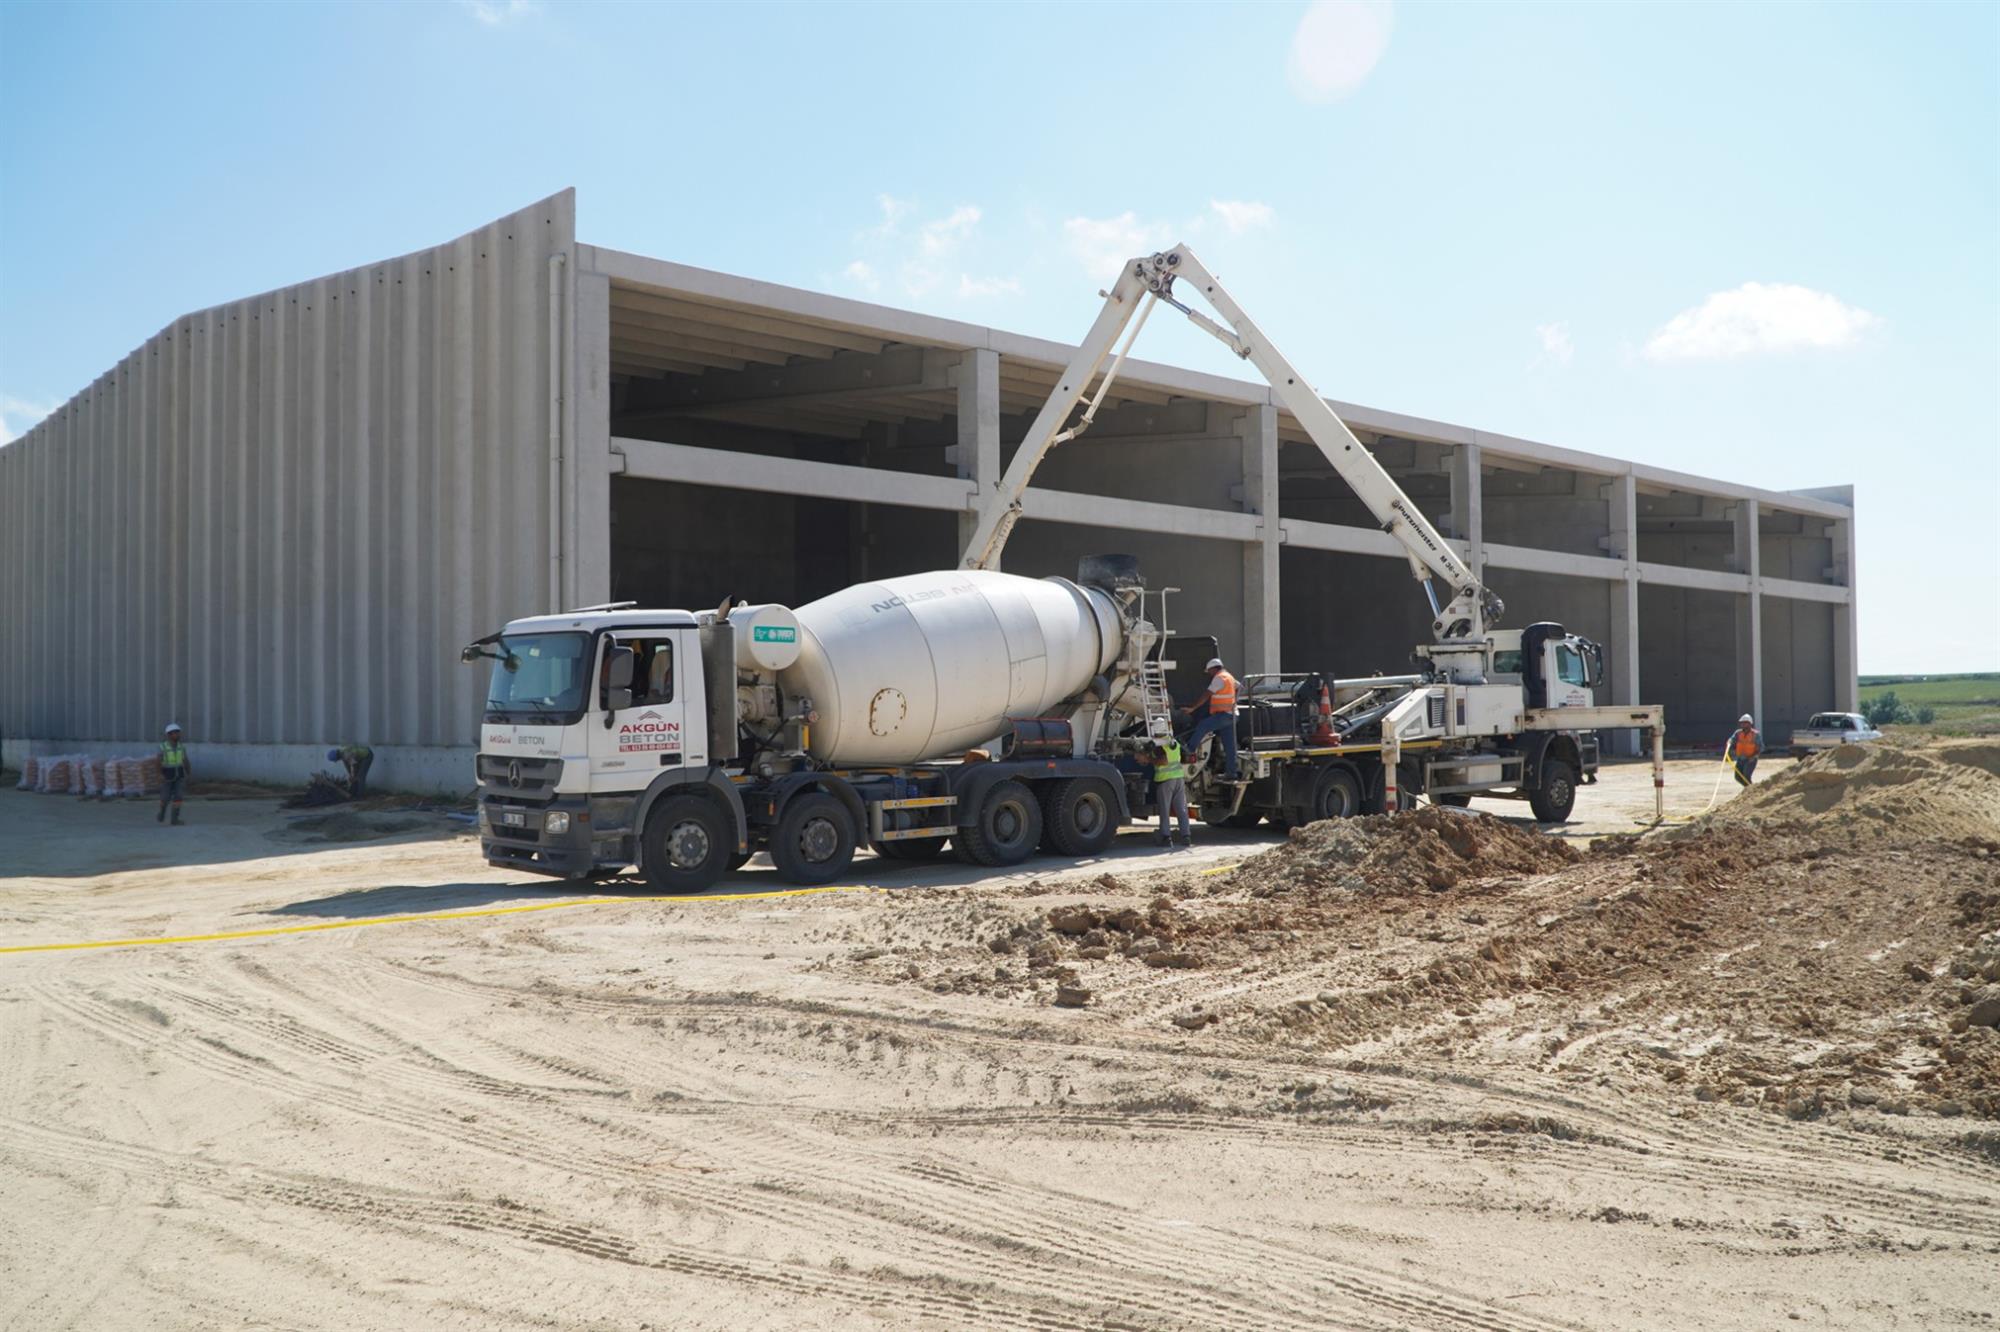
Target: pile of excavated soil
x=1882, y=792
x=1806, y=954
x=1428, y=848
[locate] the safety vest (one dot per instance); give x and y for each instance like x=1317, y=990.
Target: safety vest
x=1743, y=744
x=1222, y=696
x=1169, y=767
x=172, y=756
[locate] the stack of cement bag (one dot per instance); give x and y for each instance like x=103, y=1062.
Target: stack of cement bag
x=98, y=778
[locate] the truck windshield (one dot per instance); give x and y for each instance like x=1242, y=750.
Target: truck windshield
x=547, y=682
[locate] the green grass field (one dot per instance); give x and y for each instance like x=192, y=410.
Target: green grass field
x=1965, y=704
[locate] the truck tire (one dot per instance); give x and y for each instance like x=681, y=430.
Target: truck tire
x=1006, y=828
x=911, y=848
x=1336, y=795
x=1555, y=795
x=688, y=845
x=814, y=839
x=1079, y=816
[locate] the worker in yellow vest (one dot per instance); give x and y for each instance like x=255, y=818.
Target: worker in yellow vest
x=1215, y=714
x=174, y=770
x=1169, y=788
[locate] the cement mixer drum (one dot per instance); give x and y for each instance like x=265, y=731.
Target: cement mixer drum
x=914, y=668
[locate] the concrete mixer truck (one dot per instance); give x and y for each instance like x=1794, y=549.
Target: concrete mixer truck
x=979, y=707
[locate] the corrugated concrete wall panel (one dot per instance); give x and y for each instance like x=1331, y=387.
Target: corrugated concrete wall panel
x=278, y=519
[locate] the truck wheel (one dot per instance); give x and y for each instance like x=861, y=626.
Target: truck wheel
x=1455, y=799
x=911, y=848
x=814, y=839
x=1336, y=795
x=1006, y=829
x=1080, y=818
x=1553, y=799
x=688, y=845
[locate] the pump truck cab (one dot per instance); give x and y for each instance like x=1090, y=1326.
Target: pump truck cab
x=998, y=714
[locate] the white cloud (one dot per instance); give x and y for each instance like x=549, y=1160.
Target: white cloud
x=894, y=210
x=927, y=257
x=1337, y=46
x=1104, y=244
x=1239, y=215
x=19, y=415
x=1556, y=345
x=1758, y=317
x=944, y=234
x=494, y=13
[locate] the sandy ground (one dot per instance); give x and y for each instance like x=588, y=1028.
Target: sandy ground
x=862, y=1108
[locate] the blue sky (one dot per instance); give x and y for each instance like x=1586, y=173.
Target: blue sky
x=1757, y=242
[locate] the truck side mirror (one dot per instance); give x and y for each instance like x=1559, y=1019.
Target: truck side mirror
x=618, y=680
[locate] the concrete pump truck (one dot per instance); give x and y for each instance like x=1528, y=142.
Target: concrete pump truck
x=992, y=713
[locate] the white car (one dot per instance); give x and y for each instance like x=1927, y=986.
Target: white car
x=1827, y=729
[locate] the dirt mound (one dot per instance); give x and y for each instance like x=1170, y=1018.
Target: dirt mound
x=1428, y=848
x=1886, y=792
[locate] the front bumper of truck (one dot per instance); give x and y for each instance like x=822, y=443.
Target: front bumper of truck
x=553, y=835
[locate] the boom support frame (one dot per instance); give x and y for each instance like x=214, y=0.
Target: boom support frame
x=1464, y=615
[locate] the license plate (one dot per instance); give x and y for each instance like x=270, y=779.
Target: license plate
x=513, y=818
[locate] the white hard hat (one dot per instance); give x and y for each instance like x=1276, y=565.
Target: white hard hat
x=171, y=728
x=1214, y=664
x=1746, y=717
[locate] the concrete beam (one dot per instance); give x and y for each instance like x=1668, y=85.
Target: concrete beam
x=1258, y=430
x=1531, y=559
x=845, y=375
x=1064, y=506
x=1701, y=580
x=976, y=455
x=651, y=460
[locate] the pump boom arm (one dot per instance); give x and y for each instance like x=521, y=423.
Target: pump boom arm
x=1466, y=613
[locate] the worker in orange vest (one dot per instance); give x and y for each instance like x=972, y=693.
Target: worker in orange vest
x=1215, y=714
x=1743, y=747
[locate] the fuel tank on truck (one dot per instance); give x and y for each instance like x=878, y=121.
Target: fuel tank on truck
x=914, y=668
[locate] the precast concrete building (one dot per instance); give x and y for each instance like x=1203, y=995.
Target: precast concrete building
x=279, y=519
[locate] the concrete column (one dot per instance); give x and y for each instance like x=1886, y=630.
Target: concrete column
x=977, y=454
x=1622, y=503
x=1467, y=522
x=1749, y=615
x=1258, y=429
x=587, y=416
x=1846, y=635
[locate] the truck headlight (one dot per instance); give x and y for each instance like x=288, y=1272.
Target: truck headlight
x=556, y=823
x=485, y=823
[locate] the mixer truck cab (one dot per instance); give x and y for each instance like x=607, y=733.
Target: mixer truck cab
x=958, y=708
